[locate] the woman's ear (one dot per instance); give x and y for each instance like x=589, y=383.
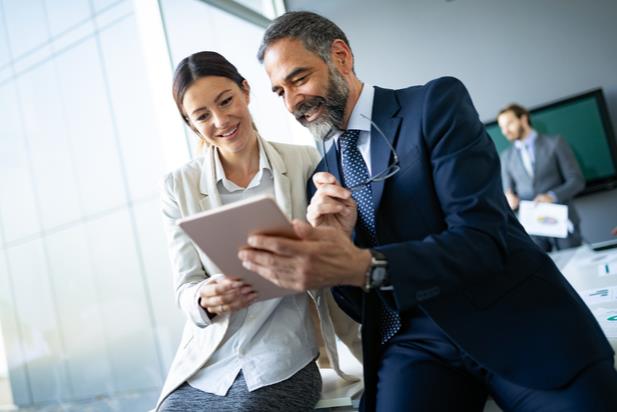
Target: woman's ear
x=246, y=90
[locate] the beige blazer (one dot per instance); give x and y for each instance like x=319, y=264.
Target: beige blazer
x=192, y=189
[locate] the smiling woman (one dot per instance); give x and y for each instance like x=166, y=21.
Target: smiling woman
x=237, y=353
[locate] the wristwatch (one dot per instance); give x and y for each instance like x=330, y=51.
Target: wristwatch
x=377, y=273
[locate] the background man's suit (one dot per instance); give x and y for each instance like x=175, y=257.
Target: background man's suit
x=555, y=170
x=456, y=250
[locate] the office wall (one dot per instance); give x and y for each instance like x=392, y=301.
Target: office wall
x=86, y=305
x=529, y=51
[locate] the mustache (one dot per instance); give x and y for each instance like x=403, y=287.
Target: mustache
x=306, y=106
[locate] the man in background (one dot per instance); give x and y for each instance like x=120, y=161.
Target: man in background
x=540, y=168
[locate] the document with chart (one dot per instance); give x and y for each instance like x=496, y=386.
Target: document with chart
x=544, y=219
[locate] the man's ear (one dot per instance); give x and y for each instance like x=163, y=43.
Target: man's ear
x=341, y=56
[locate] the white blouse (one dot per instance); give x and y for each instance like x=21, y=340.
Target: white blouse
x=270, y=340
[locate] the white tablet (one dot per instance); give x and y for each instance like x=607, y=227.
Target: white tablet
x=220, y=233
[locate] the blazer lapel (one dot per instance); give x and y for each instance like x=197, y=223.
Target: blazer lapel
x=207, y=182
x=333, y=164
x=282, y=186
x=540, y=154
x=385, y=107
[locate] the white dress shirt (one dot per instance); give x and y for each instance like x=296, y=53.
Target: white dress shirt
x=364, y=106
x=269, y=340
x=527, y=151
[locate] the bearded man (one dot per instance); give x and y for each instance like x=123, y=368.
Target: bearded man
x=412, y=230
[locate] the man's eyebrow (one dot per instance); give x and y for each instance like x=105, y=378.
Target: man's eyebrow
x=290, y=76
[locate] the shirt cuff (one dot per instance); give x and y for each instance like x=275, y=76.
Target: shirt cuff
x=553, y=196
x=190, y=304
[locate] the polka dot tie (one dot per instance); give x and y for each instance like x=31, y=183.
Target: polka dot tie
x=355, y=172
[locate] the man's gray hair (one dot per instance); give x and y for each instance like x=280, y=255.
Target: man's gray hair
x=314, y=31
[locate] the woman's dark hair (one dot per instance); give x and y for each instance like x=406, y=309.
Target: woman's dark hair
x=196, y=66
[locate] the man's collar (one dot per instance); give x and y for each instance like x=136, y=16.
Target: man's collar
x=364, y=106
x=528, y=141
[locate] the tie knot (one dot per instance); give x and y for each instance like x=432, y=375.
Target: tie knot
x=349, y=139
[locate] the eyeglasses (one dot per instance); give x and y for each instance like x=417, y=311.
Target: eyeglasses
x=389, y=171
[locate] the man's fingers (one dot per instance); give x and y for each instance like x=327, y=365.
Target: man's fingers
x=303, y=229
x=315, y=211
x=263, y=271
x=274, y=244
x=263, y=258
x=330, y=190
x=281, y=275
x=322, y=178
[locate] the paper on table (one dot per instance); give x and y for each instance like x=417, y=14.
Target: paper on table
x=599, y=295
x=544, y=219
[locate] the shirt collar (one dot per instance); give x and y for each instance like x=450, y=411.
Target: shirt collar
x=529, y=141
x=364, y=106
x=219, y=172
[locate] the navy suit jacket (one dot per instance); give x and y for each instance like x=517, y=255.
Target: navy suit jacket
x=455, y=249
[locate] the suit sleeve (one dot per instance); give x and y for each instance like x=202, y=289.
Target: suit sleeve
x=573, y=180
x=188, y=272
x=464, y=170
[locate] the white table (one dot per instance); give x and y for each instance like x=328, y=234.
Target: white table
x=586, y=270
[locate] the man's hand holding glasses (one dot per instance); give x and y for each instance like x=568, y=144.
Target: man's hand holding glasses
x=332, y=204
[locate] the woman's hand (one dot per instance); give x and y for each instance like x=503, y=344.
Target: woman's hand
x=225, y=294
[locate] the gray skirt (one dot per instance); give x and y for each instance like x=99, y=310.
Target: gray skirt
x=299, y=393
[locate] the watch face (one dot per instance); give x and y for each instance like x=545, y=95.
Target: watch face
x=378, y=275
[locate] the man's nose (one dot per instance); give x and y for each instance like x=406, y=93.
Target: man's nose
x=292, y=100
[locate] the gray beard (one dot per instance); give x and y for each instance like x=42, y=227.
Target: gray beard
x=321, y=130
x=334, y=103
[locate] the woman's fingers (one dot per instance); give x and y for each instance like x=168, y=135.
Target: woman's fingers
x=226, y=295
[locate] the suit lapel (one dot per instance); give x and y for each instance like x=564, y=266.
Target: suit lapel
x=385, y=106
x=282, y=186
x=207, y=182
x=333, y=164
x=540, y=154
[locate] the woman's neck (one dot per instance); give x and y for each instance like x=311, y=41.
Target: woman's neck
x=241, y=167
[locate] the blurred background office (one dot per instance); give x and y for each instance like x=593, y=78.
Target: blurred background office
x=88, y=126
